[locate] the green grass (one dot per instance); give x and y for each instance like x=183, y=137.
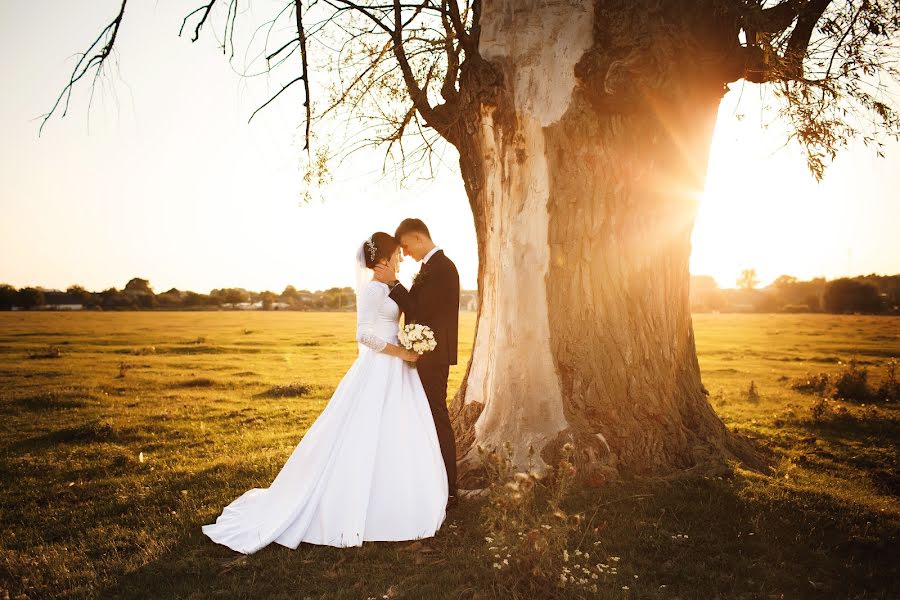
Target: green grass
x=217, y=401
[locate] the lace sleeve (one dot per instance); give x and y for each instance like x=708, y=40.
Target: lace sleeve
x=367, y=308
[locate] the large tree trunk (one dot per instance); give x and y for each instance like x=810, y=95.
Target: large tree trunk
x=583, y=168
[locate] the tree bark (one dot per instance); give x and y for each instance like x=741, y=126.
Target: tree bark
x=583, y=167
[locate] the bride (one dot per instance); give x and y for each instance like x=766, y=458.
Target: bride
x=370, y=466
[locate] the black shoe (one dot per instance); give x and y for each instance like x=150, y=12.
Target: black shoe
x=452, y=502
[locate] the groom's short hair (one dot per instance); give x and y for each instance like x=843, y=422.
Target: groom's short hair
x=410, y=226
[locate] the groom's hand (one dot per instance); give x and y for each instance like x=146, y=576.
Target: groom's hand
x=384, y=274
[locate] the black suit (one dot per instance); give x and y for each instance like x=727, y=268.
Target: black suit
x=433, y=300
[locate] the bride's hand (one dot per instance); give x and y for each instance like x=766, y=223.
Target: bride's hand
x=384, y=273
x=411, y=356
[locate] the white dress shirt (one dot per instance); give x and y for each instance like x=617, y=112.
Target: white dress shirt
x=430, y=254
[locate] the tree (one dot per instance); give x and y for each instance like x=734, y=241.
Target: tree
x=850, y=295
x=29, y=297
x=79, y=294
x=290, y=294
x=747, y=280
x=784, y=281
x=583, y=131
x=7, y=296
x=230, y=295
x=138, y=285
x=267, y=297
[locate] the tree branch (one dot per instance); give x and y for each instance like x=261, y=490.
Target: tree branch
x=418, y=95
x=301, y=34
x=799, y=40
x=270, y=100
x=199, y=26
x=779, y=17
x=96, y=61
x=448, y=89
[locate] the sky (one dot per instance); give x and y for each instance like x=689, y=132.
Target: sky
x=164, y=179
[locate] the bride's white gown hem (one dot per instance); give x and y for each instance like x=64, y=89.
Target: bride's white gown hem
x=368, y=469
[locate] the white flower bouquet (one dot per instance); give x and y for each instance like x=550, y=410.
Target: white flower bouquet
x=418, y=338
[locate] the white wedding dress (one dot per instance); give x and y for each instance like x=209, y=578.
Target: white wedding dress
x=368, y=469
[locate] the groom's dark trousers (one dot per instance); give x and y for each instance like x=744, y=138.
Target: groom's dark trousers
x=433, y=300
x=434, y=380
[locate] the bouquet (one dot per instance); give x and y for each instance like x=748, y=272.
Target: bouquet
x=418, y=338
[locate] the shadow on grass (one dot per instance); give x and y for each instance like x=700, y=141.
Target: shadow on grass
x=745, y=538
x=95, y=431
x=194, y=566
x=53, y=400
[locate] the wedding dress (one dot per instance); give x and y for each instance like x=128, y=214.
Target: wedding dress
x=368, y=469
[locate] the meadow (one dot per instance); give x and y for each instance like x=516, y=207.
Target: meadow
x=123, y=432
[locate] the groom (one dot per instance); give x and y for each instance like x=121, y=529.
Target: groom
x=433, y=300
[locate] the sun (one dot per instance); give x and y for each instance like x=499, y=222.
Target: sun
x=760, y=208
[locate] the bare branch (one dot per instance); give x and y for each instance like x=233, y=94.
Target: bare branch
x=199, y=26
x=448, y=90
x=305, y=74
x=417, y=94
x=270, y=100
x=82, y=67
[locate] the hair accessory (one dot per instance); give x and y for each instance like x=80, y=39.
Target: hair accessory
x=370, y=246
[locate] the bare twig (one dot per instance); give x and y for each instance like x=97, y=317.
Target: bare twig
x=82, y=67
x=206, y=8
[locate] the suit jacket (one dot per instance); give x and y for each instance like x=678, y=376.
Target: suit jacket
x=433, y=300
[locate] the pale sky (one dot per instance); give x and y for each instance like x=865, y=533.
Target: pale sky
x=164, y=179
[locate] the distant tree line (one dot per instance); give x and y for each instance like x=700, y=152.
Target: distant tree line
x=865, y=294
x=138, y=295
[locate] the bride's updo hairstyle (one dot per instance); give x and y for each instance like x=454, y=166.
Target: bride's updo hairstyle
x=382, y=245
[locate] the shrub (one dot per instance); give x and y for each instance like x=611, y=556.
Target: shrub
x=852, y=383
x=812, y=384
x=889, y=390
x=753, y=392
x=819, y=408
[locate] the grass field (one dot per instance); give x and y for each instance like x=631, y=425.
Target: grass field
x=123, y=433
